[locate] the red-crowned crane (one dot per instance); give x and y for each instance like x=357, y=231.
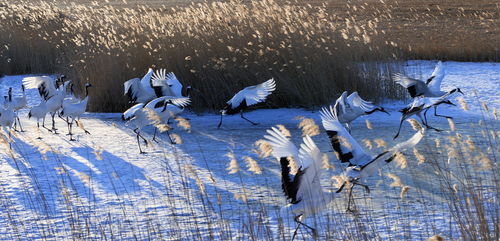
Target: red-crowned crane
x=360, y=164
x=73, y=109
x=246, y=97
x=303, y=190
x=348, y=108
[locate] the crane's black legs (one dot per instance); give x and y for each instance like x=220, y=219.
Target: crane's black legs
x=425, y=123
x=136, y=131
x=43, y=125
x=296, y=219
x=241, y=114
x=15, y=124
x=38, y=126
x=399, y=129
x=81, y=126
x=350, y=200
x=253, y=123
x=169, y=137
x=349, y=209
x=295, y=232
x=54, y=123
x=70, y=128
x=154, y=136
x=139, y=144
x=436, y=114
x=220, y=122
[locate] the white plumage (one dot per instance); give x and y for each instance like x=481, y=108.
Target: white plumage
x=437, y=76
x=47, y=86
x=168, y=106
x=130, y=112
x=304, y=192
x=423, y=104
x=7, y=117
x=360, y=163
x=146, y=89
x=73, y=109
x=253, y=94
x=51, y=91
x=17, y=103
x=140, y=90
x=39, y=112
x=160, y=77
x=246, y=97
x=430, y=88
x=349, y=108
x=137, y=115
x=54, y=103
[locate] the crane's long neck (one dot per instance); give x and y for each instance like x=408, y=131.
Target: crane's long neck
x=188, y=91
x=86, y=91
x=168, y=102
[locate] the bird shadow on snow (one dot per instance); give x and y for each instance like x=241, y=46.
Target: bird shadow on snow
x=115, y=175
x=85, y=175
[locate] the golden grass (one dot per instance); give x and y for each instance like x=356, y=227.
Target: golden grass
x=312, y=49
x=218, y=48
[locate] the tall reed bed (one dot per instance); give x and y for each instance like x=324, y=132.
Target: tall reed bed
x=217, y=47
x=457, y=30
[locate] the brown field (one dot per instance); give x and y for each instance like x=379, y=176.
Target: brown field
x=447, y=29
x=313, y=49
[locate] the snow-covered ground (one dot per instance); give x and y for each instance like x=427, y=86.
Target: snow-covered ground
x=100, y=186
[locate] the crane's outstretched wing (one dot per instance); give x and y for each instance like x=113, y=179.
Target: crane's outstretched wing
x=146, y=79
x=253, y=94
x=133, y=89
x=139, y=90
x=414, y=86
x=44, y=84
x=387, y=156
x=174, y=84
x=181, y=101
x=346, y=147
x=311, y=157
x=164, y=85
x=437, y=76
x=130, y=113
x=283, y=148
x=355, y=101
x=160, y=102
x=340, y=104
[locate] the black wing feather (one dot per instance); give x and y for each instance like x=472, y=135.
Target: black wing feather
x=413, y=91
x=344, y=157
x=290, y=187
x=429, y=80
